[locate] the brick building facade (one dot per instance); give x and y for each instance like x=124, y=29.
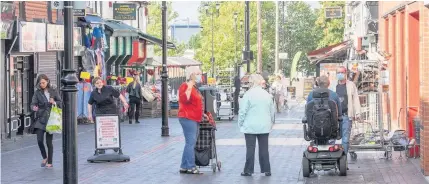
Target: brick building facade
x=404, y=37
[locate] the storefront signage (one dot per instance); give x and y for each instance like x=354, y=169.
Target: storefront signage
x=141, y=49
x=77, y=36
x=333, y=12
x=120, y=45
x=55, y=37
x=6, y=23
x=32, y=37
x=124, y=11
x=79, y=12
x=128, y=45
x=107, y=135
x=112, y=46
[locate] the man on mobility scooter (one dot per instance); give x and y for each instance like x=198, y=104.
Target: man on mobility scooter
x=322, y=122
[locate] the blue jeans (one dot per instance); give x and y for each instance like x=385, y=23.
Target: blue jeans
x=346, y=130
x=190, y=129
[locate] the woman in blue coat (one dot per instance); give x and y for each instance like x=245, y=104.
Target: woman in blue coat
x=256, y=118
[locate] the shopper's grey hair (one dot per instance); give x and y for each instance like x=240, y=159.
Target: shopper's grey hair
x=255, y=80
x=191, y=70
x=323, y=81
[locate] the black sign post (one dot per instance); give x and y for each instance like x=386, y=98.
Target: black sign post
x=123, y=11
x=108, y=136
x=333, y=12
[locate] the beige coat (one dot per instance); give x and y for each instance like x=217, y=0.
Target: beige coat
x=354, y=107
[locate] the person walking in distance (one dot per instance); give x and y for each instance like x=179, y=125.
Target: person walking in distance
x=278, y=92
x=135, y=96
x=41, y=103
x=255, y=120
x=349, y=99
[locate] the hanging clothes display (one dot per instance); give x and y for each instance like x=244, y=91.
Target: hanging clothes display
x=83, y=94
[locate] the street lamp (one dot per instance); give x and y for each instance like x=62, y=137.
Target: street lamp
x=212, y=13
x=236, y=40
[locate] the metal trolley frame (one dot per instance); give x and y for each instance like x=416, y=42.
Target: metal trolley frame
x=368, y=133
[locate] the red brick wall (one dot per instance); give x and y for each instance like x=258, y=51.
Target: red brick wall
x=424, y=85
x=35, y=10
x=396, y=39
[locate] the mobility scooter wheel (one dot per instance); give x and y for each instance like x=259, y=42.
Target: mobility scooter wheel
x=342, y=164
x=353, y=155
x=306, y=170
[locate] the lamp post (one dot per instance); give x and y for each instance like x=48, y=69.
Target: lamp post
x=248, y=55
x=212, y=13
x=69, y=90
x=235, y=44
x=164, y=74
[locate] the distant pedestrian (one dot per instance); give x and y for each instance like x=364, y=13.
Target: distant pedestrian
x=135, y=96
x=255, y=119
x=103, y=97
x=41, y=103
x=278, y=91
x=190, y=114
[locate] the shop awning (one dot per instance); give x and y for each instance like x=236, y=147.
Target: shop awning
x=142, y=35
x=120, y=29
x=156, y=40
x=328, y=53
x=92, y=19
x=173, y=62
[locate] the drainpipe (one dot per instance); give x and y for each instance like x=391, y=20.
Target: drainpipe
x=138, y=16
x=101, y=8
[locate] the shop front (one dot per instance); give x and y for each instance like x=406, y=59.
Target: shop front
x=95, y=45
x=6, y=39
x=21, y=67
x=126, y=36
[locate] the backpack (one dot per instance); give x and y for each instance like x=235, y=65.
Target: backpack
x=323, y=123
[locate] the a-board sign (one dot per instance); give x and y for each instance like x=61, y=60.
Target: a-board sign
x=107, y=132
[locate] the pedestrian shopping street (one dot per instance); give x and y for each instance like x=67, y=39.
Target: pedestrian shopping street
x=156, y=159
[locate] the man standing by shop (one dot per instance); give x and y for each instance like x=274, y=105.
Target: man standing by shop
x=349, y=99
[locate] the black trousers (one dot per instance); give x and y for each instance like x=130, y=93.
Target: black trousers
x=264, y=156
x=40, y=134
x=236, y=105
x=134, y=108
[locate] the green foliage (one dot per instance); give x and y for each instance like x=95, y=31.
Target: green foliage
x=195, y=41
x=229, y=43
x=154, y=26
x=333, y=29
x=301, y=35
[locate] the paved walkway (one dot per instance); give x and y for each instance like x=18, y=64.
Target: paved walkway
x=156, y=159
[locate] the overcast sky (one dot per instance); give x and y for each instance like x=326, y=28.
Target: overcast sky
x=190, y=9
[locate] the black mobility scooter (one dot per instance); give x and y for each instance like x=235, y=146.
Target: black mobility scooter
x=321, y=124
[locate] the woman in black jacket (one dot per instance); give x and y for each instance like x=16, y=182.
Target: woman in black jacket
x=135, y=97
x=41, y=103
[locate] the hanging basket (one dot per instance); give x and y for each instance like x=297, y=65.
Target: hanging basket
x=150, y=72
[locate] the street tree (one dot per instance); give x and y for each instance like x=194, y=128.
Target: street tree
x=333, y=28
x=300, y=34
x=227, y=51
x=154, y=26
